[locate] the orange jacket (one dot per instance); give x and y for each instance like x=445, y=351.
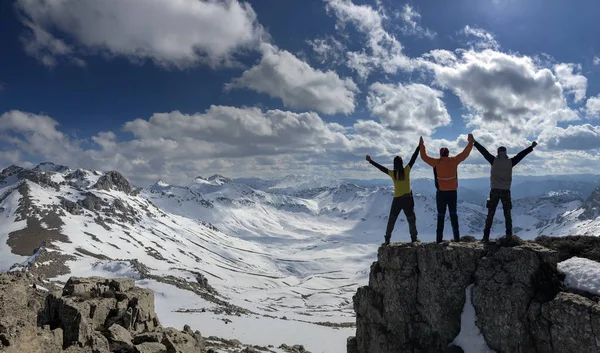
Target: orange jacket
x=445, y=168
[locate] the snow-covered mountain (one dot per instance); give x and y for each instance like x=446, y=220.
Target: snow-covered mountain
x=264, y=250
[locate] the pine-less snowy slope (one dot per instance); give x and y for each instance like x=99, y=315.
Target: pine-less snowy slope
x=290, y=255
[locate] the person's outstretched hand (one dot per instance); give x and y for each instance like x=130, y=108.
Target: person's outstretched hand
x=368, y=158
x=421, y=141
x=470, y=138
x=533, y=144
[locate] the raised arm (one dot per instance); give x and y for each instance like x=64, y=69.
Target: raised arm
x=488, y=156
x=516, y=159
x=413, y=159
x=465, y=153
x=431, y=161
x=378, y=166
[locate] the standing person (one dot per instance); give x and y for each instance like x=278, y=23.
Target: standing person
x=403, y=198
x=445, y=173
x=500, y=182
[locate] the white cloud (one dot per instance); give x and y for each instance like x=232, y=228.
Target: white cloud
x=596, y=60
x=410, y=17
x=574, y=137
x=383, y=51
x=504, y=92
x=412, y=107
x=592, y=106
x=573, y=83
x=36, y=135
x=178, y=33
x=282, y=75
x=248, y=128
x=483, y=39
x=328, y=50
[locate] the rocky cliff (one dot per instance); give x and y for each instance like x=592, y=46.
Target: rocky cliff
x=417, y=292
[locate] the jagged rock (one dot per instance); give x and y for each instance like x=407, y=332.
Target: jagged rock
x=180, y=342
x=92, y=202
x=113, y=180
x=351, y=345
x=294, y=349
x=120, y=339
x=416, y=295
x=147, y=337
x=78, y=174
x=504, y=288
x=573, y=323
x=70, y=206
x=150, y=347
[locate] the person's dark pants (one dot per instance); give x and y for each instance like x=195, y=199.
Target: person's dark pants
x=407, y=204
x=447, y=199
x=496, y=196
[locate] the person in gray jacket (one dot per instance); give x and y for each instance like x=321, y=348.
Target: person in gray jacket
x=500, y=182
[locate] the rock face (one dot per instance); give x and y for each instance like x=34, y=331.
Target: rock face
x=95, y=315
x=416, y=295
x=113, y=180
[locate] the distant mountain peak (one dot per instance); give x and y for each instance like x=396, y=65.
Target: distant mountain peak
x=218, y=178
x=50, y=167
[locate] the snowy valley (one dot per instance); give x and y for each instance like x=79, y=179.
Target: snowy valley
x=264, y=262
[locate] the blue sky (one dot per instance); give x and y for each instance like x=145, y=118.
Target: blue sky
x=160, y=89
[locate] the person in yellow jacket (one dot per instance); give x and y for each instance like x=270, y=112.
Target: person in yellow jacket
x=445, y=173
x=403, y=198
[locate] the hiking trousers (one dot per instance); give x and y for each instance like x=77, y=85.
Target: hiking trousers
x=446, y=200
x=497, y=195
x=406, y=203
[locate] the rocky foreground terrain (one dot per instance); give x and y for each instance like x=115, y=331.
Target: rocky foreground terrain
x=417, y=292
x=96, y=315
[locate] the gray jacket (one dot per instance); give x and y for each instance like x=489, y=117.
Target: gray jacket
x=501, y=176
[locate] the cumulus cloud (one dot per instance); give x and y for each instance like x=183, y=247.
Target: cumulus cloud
x=574, y=137
x=382, y=50
x=178, y=34
x=251, y=129
x=479, y=38
x=411, y=18
x=596, y=60
x=414, y=107
x=282, y=75
x=573, y=82
x=501, y=90
x=36, y=135
x=592, y=106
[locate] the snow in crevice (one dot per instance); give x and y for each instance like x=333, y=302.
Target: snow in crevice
x=470, y=338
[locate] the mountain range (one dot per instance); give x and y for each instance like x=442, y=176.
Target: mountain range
x=223, y=253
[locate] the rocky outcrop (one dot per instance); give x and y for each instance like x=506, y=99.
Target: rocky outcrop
x=591, y=206
x=113, y=180
x=94, y=315
x=416, y=295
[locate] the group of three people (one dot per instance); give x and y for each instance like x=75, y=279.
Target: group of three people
x=445, y=172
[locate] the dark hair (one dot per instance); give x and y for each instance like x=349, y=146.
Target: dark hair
x=398, y=168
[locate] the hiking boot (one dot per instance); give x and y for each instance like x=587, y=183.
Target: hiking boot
x=386, y=241
x=415, y=240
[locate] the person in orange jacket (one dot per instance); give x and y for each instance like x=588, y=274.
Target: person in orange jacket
x=446, y=182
